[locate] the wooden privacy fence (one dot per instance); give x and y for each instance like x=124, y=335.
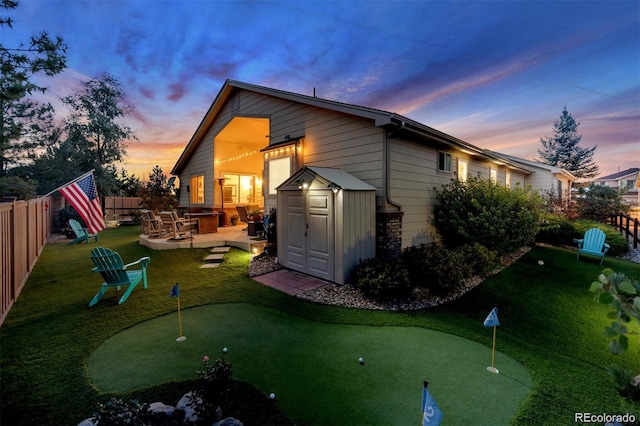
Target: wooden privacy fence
x=627, y=225
x=24, y=229
x=120, y=208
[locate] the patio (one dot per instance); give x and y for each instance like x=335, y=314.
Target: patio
x=285, y=280
x=232, y=236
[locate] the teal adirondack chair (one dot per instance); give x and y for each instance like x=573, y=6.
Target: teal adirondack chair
x=115, y=273
x=593, y=244
x=82, y=234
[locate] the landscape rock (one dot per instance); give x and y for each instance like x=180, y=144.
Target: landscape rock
x=262, y=264
x=229, y=421
x=88, y=422
x=159, y=407
x=185, y=404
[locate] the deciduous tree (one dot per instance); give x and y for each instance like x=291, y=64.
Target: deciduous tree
x=94, y=132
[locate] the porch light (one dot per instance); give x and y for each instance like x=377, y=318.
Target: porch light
x=335, y=188
x=302, y=184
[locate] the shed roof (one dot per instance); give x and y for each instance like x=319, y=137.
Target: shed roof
x=341, y=178
x=337, y=177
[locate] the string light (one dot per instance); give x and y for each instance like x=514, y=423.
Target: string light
x=237, y=157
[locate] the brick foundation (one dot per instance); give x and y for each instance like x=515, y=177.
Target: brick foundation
x=388, y=234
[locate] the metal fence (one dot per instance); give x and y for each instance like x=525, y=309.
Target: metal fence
x=24, y=229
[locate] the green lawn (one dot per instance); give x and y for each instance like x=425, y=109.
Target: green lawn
x=550, y=325
x=312, y=366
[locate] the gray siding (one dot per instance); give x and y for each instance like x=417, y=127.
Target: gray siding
x=355, y=231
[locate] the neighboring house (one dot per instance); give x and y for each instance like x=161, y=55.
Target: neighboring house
x=628, y=180
x=363, y=178
x=549, y=181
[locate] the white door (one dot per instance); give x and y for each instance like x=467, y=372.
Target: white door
x=320, y=235
x=309, y=233
x=294, y=229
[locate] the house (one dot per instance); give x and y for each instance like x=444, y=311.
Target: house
x=628, y=180
x=361, y=178
x=550, y=181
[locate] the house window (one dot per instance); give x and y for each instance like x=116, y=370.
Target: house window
x=197, y=189
x=279, y=171
x=630, y=184
x=241, y=189
x=507, y=179
x=493, y=175
x=462, y=171
x=444, y=162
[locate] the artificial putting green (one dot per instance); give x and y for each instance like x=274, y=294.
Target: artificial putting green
x=313, y=367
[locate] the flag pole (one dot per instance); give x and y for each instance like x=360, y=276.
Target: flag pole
x=72, y=181
x=493, y=351
x=175, y=292
x=492, y=320
x=181, y=338
x=422, y=408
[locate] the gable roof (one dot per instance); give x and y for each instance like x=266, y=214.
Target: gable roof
x=620, y=175
x=381, y=118
x=531, y=163
x=333, y=177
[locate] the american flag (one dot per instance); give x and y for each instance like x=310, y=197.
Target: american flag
x=82, y=195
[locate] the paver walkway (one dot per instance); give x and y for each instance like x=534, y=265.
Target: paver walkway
x=290, y=282
x=215, y=258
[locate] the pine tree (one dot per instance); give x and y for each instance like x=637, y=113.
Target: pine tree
x=562, y=150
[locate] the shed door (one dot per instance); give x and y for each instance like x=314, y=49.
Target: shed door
x=320, y=235
x=309, y=227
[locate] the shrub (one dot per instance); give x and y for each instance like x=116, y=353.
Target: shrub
x=481, y=211
x=212, y=387
x=382, y=279
x=555, y=229
x=116, y=412
x=623, y=381
x=479, y=259
x=599, y=201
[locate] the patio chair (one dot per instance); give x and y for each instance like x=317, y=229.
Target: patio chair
x=115, y=273
x=242, y=212
x=82, y=234
x=593, y=243
x=177, y=226
x=151, y=224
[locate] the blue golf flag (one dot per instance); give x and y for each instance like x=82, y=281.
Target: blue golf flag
x=175, y=291
x=431, y=414
x=492, y=318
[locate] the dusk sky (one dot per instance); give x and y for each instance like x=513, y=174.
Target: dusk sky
x=495, y=74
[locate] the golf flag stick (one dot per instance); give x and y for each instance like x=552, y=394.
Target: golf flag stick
x=431, y=415
x=493, y=350
x=175, y=292
x=492, y=321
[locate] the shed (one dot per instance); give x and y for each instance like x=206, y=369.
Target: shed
x=326, y=222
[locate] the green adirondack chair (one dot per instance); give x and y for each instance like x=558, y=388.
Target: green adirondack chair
x=82, y=234
x=593, y=243
x=115, y=273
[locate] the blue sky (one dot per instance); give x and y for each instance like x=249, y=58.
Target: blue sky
x=495, y=74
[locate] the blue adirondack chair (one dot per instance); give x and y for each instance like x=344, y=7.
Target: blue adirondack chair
x=115, y=273
x=82, y=234
x=592, y=243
